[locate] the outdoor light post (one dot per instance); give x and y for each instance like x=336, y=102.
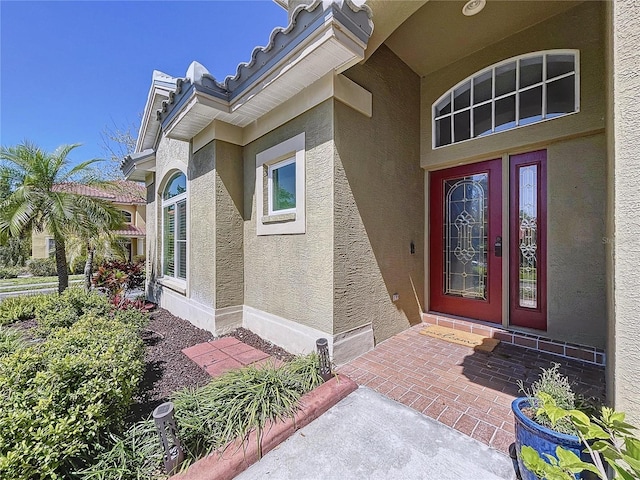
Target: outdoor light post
x=324, y=368
x=168, y=431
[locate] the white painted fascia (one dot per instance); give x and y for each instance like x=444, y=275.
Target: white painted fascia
x=238, y=111
x=157, y=94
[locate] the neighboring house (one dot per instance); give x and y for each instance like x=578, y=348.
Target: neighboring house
x=128, y=196
x=349, y=182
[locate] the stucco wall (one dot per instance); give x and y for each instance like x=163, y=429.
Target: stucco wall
x=580, y=28
x=378, y=202
x=576, y=240
x=291, y=276
x=39, y=244
x=171, y=155
x=624, y=121
x=229, y=226
x=202, y=206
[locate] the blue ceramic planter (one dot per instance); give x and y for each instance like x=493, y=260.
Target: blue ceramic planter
x=542, y=439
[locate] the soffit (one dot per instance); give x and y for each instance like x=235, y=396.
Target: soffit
x=438, y=34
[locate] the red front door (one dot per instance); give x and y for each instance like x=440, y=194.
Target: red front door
x=465, y=241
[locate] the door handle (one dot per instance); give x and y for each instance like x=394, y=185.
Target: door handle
x=497, y=247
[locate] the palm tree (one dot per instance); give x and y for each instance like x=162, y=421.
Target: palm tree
x=93, y=247
x=40, y=201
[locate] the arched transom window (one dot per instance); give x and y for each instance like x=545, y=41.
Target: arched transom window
x=519, y=91
x=174, y=227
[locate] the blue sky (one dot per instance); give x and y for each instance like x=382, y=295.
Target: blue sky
x=68, y=69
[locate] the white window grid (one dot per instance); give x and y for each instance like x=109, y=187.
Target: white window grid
x=175, y=200
x=516, y=93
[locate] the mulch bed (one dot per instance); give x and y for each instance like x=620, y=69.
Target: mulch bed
x=168, y=369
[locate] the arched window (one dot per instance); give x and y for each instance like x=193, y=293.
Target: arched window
x=126, y=215
x=520, y=91
x=174, y=227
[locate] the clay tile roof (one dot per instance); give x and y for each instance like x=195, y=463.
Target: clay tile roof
x=121, y=191
x=130, y=231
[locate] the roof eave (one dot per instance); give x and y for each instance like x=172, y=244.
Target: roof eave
x=136, y=166
x=321, y=41
x=161, y=85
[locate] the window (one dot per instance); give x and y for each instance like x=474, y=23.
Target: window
x=520, y=91
x=51, y=247
x=126, y=215
x=174, y=227
x=280, y=188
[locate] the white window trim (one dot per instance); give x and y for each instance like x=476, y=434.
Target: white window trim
x=491, y=68
x=48, y=252
x=124, y=214
x=271, y=169
x=180, y=283
x=281, y=222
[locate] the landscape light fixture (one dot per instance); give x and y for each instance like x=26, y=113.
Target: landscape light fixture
x=324, y=368
x=168, y=431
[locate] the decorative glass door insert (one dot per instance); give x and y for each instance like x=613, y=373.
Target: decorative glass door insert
x=465, y=241
x=528, y=245
x=465, y=236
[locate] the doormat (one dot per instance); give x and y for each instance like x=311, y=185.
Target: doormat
x=473, y=340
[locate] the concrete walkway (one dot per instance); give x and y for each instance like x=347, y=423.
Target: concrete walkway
x=368, y=436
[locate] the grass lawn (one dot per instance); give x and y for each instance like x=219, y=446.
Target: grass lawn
x=19, y=283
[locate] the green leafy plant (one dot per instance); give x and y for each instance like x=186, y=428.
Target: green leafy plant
x=208, y=418
x=9, y=272
x=10, y=341
x=557, y=386
x=64, y=396
x=117, y=279
x=234, y=404
x=62, y=311
x=42, y=267
x=608, y=437
x=14, y=309
x=134, y=455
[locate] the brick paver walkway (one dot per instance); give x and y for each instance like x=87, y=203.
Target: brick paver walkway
x=467, y=390
x=224, y=354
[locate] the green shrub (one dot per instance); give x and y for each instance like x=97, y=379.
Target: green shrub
x=117, y=278
x=229, y=407
x=62, y=311
x=10, y=341
x=9, y=272
x=232, y=405
x=62, y=397
x=42, y=267
x=14, y=309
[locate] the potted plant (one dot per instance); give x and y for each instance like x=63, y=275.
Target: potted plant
x=535, y=429
x=613, y=449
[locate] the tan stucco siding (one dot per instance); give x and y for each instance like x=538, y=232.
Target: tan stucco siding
x=580, y=28
x=171, y=156
x=291, y=276
x=576, y=236
x=39, y=244
x=624, y=143
x=378, y=202
x=229, y=225
x=201, y=243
